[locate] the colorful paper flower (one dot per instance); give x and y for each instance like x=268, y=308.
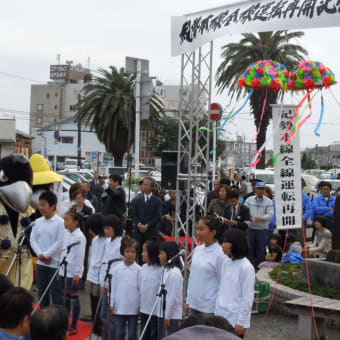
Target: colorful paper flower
x=265, y=74
x=310, y=74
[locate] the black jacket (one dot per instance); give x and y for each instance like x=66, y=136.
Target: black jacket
x=242, y=216
x=147, y=213
x=115, y=202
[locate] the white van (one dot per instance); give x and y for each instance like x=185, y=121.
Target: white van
x=266, y=176
x=70, y=163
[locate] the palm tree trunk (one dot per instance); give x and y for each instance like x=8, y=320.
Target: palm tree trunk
x=257, y=102
x=119, y=150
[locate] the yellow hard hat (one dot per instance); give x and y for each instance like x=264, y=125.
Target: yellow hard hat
x=42, y=173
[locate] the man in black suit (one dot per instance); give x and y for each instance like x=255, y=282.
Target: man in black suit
x=97, y=190
x=115, y=203
x=236, y=214
x=146, y=213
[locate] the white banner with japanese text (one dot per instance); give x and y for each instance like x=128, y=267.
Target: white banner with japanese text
x=191, y=31
x=287, y=171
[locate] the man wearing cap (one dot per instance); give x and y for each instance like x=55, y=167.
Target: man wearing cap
x=261, y=211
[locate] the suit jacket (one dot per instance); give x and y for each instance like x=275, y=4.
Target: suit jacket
x=115, y=202
x=147, y=213
x=96, y=190
x=242, y=216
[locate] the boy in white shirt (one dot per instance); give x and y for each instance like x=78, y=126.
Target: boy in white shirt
x=73, y=253
x=47, y=240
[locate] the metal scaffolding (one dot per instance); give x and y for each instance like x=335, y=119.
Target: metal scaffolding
x=193, y=142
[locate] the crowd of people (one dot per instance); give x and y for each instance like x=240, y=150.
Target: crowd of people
x=121, y=263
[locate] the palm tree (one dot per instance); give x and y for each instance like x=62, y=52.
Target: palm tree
x=238, y=56
x=106, y=106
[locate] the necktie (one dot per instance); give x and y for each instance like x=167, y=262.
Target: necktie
x=146, y=199
x=233, y=217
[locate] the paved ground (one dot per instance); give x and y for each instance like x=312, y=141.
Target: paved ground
x=276, y=327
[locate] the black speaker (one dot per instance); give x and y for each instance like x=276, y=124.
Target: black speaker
x=169, y=169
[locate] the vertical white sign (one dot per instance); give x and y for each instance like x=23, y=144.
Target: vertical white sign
x=287, y=172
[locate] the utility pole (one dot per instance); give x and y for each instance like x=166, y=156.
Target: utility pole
x=137, y=127
x=79, y=140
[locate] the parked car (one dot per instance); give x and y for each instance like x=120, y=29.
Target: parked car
x=75, y=176
x=310, y=182
x=70, y=163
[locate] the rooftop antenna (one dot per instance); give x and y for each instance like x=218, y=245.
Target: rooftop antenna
x=58, y=59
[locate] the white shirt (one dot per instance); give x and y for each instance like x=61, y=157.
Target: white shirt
x=111, y=252
x=47, y=238
x=151, y=276
x=174, y=297
x=96, y=259
x=203, y=281
x=125, y=289
x=236, y=292
x=75, y=258
x=147, y=197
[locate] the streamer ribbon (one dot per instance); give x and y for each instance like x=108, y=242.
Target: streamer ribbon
x=258, y=155
x=231, y=116
x=301, y=122
x=316, y=131
x=297, y=110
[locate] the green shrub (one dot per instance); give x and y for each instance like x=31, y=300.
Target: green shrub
x=291, y=277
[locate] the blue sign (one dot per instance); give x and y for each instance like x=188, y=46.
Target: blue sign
x=94, y=155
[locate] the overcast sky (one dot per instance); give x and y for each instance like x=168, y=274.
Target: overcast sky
x=34, y=32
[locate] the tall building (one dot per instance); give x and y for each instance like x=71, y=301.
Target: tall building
x=170, y=94
x=56, y=100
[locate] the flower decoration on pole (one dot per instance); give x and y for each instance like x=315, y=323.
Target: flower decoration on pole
x=265, y=74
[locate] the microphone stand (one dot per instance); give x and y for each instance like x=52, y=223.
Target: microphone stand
x=160, y=296
x=108, y=277
x=62, y=263
x=17, y=254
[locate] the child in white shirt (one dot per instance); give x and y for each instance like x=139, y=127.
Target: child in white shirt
x=236, y=292
x=113, y=230
x=73, y=254
x=174, y=287
x=95, y=225
x=125, y=295
x=204, y=273
x=151, y=277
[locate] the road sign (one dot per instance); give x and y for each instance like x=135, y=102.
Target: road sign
x=94, y=156
x=215, y=111
x=56, y=134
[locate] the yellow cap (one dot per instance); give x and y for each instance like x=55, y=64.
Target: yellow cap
x=42, y=173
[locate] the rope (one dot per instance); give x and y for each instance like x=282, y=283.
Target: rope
x=309, y=285
x=273, y=293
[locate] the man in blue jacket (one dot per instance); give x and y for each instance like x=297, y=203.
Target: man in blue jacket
x=324, y=204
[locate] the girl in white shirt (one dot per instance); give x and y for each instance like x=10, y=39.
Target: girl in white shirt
x=174, y=287
x=151, y=276
x=125, y=296
x=95, y=225
x=75, y=266
x=113, y=230
x=204, y=273
x=236, y=292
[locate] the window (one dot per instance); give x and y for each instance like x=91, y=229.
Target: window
x=40, y=107
x=56, y=94
x=72, y=107
x=39, y=121
x=47, y=95
x=56, y=107
x=66, y=140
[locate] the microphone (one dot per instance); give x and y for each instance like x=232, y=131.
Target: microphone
x=113, y=260
x=31, y=225
x=68, y=248
x=181, y=253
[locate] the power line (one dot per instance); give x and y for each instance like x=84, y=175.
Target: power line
x=20, y=77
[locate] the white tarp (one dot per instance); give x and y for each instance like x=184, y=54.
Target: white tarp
x=191, y=31
x=287, y=172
